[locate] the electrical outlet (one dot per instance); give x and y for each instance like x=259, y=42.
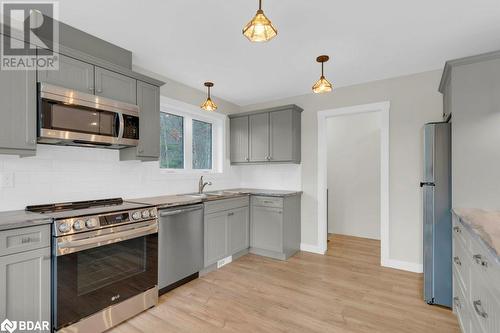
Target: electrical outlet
x=224, y=261
x=6, y=180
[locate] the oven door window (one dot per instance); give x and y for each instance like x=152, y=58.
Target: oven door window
x=91, y=280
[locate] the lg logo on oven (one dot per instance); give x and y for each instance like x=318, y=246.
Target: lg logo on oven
x=11, y=325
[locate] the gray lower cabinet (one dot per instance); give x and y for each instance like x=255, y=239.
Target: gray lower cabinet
x=226, y=228
x=72, y=74
x=275, y=226
x=25, y=275
x=115, y=85
x=216, y=237
x=148, y=100
x=18, y=112
x=239, y=140
x=239, y=229
x=266, y=136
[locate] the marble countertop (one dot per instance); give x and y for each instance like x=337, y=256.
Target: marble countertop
x=484, y=223
x=21, y=218
x=166, y=201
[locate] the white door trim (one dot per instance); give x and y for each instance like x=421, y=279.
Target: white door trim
x=383, y=108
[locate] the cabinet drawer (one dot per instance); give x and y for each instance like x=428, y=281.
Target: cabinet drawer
x=484, y=306
x=461, y=265
x=24, y=239
x=225, y=204
x=459, y=232
x=485, y=265
x=460, y=305
x=267, y=201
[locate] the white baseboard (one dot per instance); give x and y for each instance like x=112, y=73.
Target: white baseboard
x=403, y=265
x=311, y=248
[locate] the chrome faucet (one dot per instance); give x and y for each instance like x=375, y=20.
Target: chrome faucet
x=201, y=185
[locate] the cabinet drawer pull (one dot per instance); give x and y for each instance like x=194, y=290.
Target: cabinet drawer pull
x=230, y=214
x=479, y=309
x=456, y=300
x=268, y=202
x=457, y=230
x=457, y=261
x=479, y=260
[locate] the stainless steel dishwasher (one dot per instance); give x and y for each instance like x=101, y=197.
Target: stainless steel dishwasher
x=180, y=252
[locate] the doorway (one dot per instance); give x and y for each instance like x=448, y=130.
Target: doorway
x=382, y=109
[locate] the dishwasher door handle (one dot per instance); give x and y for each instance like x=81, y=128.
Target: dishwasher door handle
x=179, y=211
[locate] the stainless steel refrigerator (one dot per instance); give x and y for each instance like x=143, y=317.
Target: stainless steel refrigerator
x=436, y=188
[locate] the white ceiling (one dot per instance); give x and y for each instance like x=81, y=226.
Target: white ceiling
x=192, y=41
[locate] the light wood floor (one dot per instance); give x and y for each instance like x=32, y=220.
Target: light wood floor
x=344, y=291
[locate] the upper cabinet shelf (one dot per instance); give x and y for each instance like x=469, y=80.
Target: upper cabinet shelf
x=266, y=136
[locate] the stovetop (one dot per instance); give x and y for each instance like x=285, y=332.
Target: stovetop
x=84, y=208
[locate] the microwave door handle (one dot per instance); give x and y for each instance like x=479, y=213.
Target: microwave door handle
x=122, y=125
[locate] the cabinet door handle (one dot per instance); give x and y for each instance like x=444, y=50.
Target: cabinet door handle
x=247, y=159
x=456, y=300
x=457, y=261
x=479, y=309
x=457, y=230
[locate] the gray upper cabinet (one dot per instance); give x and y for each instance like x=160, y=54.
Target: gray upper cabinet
x=115, y=86
x=284, y=132
x=239, y=140
x=18, y=112
x=72, y=74
x=259, y=137
x=148, y=100
x=274, y=135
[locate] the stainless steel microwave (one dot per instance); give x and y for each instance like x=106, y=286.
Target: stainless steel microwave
x=69, y=117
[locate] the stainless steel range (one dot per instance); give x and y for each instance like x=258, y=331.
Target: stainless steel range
x=105, y=266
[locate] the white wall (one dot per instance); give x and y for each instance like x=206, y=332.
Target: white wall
x=476, y=135
x=415, y=100
x=353, y=173
x=58, y=174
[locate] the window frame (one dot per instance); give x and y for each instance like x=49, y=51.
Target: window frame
x=190, y=112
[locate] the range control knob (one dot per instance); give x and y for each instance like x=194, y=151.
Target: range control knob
x=64, y=227
x=152, y=213
x=145, y=214
x=136, y=215
x=78, y=225
x=91, y=223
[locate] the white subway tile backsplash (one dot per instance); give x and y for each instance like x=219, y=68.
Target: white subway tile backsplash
x=59, y=173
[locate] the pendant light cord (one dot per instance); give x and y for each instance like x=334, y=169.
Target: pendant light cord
x=260, y=4
x=208, y=92
x=322, y=73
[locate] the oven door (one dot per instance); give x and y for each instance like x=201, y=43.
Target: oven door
x=93, y=272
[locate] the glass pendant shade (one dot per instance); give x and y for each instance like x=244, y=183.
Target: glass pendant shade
x=209, y=105
x=322, y=86
x=260, y=28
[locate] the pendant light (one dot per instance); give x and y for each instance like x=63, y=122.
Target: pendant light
x=322, y=85
x=209, y=105
x=260, y=28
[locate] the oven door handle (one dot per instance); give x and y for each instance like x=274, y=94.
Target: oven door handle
x=73, y=246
